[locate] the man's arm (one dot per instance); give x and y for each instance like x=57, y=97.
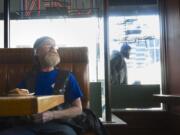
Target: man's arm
x=74, y=94
x=71, y=112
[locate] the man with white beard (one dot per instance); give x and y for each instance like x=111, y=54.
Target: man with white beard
x=42, y=81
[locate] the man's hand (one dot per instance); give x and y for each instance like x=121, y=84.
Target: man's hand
x=47, y=116
x=37, y=118
x=71, y=112
x=43, y=117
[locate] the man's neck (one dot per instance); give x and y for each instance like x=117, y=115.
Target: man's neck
x=47, y=69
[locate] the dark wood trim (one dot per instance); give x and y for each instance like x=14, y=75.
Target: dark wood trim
x=107, y=62
x=6, y=23
x=163, y=44
x=168, y=99
x=143, y=123
x=175, y=122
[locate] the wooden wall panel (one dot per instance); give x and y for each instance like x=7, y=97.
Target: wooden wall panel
x=173, y=48
x=143, y=123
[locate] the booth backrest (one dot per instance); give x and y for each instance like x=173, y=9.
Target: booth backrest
x=16, y=62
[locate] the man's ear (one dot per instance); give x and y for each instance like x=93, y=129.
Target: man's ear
x=59, y=58
x=35, y=52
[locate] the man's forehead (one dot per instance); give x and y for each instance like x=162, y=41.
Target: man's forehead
x=44, y=41
x=47, y=45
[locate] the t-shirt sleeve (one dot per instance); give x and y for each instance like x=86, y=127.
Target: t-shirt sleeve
x=21, y=85
x=73, y=89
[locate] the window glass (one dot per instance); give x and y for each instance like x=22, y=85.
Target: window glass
x=67, y=33
x=134, y=35
x=141, y=33
x=68, y=24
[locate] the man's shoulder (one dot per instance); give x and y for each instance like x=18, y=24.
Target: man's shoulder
x=63, y=71
x=116, y=56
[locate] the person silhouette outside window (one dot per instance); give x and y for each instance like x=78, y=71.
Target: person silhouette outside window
x=118, y=65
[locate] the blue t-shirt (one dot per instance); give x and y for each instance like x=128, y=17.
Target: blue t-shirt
x=45, y=82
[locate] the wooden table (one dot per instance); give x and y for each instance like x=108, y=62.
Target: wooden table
x=166, y=98
x=27, y=105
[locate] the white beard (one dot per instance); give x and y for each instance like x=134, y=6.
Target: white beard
x=51, y=59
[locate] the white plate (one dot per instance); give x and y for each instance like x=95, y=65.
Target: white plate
x=30, y=94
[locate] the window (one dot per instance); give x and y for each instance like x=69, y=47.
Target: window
x=72, y=23
x=133, y=22
x=68, y=29
x=136, y=24
x=66, y=32
x=143, y=46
